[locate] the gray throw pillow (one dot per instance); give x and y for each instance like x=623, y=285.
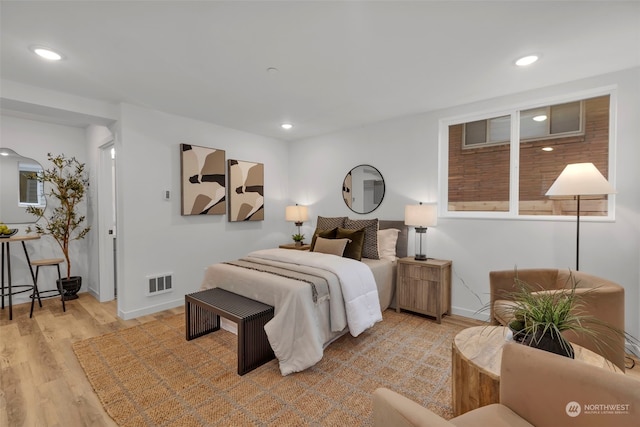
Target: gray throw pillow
x=370, y=246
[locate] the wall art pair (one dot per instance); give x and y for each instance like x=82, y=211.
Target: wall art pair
x=205, y=190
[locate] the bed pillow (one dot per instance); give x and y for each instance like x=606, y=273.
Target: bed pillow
x=327, y=223
x=354, y=247
x=370, y=247
x=387, y=241
x=327, y=234
x=330, y=246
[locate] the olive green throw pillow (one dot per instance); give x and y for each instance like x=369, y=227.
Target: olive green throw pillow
x=354, y=248
x=327, y=234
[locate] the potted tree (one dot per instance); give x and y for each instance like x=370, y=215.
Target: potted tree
x=65, y=182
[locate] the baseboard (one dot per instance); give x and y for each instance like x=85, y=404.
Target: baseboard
x=470, y=313
x=127, y=315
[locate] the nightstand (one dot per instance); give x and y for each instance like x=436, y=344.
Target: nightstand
x=424, y=286
x=303, y=247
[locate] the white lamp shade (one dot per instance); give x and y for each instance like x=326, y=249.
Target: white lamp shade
x=580, y=179
x=296, y=213
x=420, y=215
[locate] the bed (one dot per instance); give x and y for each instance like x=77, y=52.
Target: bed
x=317, y=297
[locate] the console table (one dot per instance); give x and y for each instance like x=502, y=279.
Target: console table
x=6, y=257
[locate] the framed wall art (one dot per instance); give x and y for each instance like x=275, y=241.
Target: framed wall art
x=246, y=191
x=203, y=180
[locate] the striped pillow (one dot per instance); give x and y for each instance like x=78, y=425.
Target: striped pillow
x=370, y=247
x=327, y=223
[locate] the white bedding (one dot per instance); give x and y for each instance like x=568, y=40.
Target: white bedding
x=296, y=333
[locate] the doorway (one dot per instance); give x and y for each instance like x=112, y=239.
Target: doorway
x=107, y=222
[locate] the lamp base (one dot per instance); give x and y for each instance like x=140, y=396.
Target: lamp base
x=420, y=257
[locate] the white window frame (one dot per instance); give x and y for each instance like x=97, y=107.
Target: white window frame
x=514, y=164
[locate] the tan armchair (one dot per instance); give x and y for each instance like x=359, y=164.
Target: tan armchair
x=602, y=299
x=537, y=388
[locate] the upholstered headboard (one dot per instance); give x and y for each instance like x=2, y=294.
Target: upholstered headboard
x=403, y=236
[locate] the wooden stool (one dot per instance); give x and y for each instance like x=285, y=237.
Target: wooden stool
x=55, y=292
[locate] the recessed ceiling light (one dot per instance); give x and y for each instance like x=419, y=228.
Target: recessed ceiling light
x=527, y=60
x=286, y=126
x=547, y=149
x=46, y=53
x=540, y=118
x=3, y=153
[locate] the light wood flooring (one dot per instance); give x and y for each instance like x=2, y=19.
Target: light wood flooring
x=41, y=381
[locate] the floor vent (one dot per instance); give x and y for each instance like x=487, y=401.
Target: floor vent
x=159, y=284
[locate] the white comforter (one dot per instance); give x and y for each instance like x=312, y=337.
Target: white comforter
x=295, y=333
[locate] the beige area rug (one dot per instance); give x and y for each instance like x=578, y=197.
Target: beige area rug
x=149, y=375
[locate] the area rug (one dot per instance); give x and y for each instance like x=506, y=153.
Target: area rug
x=149, y=375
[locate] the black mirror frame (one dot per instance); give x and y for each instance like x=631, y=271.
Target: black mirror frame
x=347, y=188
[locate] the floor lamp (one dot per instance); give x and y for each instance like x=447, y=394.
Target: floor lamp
x=580, y=179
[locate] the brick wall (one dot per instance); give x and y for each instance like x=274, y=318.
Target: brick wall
x=480, y=176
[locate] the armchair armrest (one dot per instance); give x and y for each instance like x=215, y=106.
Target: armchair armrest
x=393, y=410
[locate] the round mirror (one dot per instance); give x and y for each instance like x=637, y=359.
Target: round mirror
x=363, y=189
x=19, y=188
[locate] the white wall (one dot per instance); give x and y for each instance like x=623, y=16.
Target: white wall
x=34, y=139
x=405, y=151
x=153, y=237
x=95, y=136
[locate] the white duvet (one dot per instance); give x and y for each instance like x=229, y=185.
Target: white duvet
x=295, y=332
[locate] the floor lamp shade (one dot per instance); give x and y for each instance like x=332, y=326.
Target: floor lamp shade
x=421, y=216
x=580, y=179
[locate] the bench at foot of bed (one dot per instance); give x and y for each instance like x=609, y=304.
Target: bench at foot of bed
x=202, y=315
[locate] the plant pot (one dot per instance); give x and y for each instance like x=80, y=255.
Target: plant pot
x=70, y=287
x=299, y=243
x=518, y=333
x=548, y=343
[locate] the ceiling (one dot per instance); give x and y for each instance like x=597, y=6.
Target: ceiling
x=340, y=64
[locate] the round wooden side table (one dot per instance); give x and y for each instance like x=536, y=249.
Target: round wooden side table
x=476, y=361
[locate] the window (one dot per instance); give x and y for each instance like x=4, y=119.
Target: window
x=489, y=131
x=505, y=163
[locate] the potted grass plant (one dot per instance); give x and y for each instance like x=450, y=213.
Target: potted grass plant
x=66, y=184
x=540, y=318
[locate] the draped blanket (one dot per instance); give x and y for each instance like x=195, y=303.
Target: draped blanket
x=296, y=333
x=316, y=282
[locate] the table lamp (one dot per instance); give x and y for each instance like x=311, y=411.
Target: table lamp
x=297, y=214
x=421, y=216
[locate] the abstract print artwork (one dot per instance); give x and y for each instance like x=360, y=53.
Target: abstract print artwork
x=203, y=180
x=246, y=191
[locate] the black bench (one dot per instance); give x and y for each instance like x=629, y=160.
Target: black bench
x=202, y=315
